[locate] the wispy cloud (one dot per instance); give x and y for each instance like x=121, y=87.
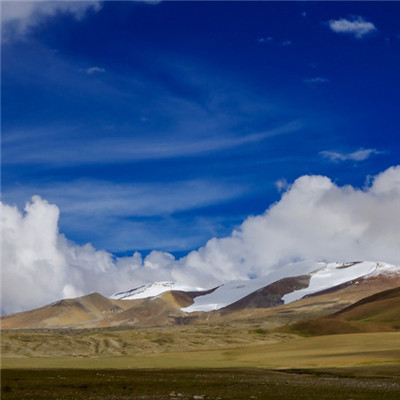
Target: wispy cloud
x=359, y=155
x=177, y=109
x=356, y=26
x=123, y=149
x=95, y=70
x=90, y=198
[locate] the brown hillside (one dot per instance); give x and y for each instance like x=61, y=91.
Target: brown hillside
x=96, y=311
x=271, y=295
x=379, y=312
x=66, y=313
x=155, y=311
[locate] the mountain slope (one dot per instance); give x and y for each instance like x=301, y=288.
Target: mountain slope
x=66, y=313
x=379, y=312
x=270, y=295
x=154, y=311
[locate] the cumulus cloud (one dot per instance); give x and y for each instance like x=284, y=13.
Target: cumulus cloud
x=356, y=26
x=315, y=219
x=359, y=155
x=19, y=17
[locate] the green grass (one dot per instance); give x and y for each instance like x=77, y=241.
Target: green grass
x=210, y=384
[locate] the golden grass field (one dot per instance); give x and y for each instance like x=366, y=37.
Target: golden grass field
x=295, y=352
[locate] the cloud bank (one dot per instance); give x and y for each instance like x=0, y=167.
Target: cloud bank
x=314, y=219
x=18, y=16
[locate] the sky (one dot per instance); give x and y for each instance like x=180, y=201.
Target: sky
x=161, y=128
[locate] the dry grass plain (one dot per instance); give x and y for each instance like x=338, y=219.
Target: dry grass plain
x=289, y=352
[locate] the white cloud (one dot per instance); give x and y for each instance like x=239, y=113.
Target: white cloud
x=18, y=17
x=315, y=219
x=357, y=26
x=359, y=155
x=95, y=70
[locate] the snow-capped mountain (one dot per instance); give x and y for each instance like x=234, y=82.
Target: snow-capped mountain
x=299, y=289
x=152, y=290
x=233, y=291
x=321, y=275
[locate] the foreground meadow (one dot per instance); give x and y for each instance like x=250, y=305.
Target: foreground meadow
x=367, y=383
x=278, y=366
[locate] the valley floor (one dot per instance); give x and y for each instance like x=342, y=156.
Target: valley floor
x=367, y=383
x=291, y=352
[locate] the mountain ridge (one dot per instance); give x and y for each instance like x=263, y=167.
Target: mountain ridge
x=337, y=285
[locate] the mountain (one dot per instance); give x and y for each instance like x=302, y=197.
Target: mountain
x=294, y=293
x=321, y=276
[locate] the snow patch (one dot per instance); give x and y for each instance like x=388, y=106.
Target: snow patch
x=151, y=290
x=334, y=274
x=233, y=291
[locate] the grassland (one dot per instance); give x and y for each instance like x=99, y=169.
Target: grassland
x=208, y=384
x=300, y=352
x=246, y=362
x=133, y=342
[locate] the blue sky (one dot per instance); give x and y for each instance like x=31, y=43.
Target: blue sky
x=159, y=126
